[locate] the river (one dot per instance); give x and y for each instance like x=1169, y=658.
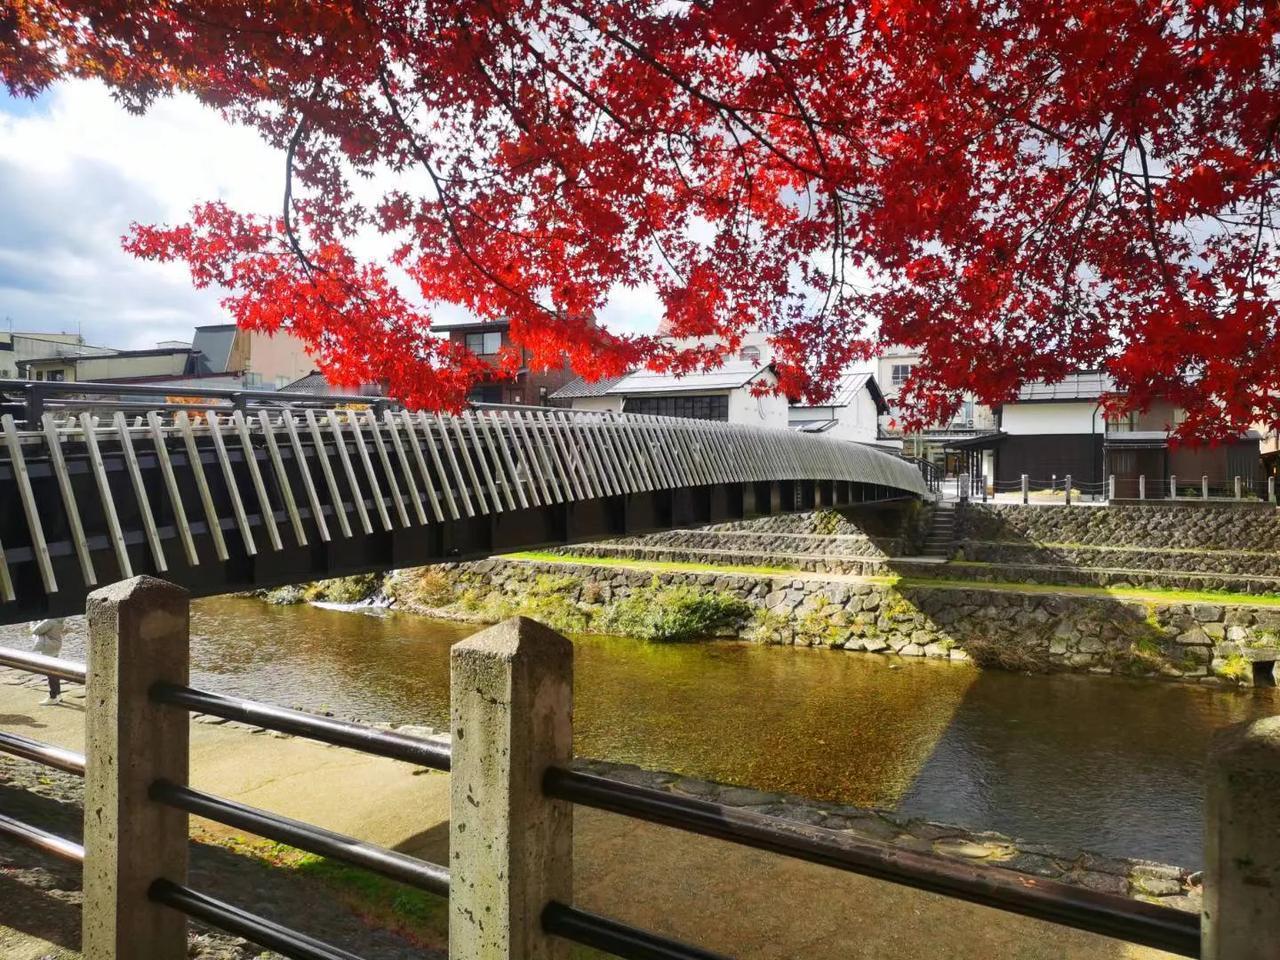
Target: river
x=1109, y=765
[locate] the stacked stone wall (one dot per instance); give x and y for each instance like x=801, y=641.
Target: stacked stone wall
x=1191, y=526
x=1036, y=631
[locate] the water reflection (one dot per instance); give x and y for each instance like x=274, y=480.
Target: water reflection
x=1110, y=765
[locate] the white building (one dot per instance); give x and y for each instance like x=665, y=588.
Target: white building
x=935, y=443
x=18, y=348
x=727, y=394
x=853, y=412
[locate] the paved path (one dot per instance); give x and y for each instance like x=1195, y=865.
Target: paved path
x=753, y=905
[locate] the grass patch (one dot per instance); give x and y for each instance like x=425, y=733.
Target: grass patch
x=1134, y=593
x=1120, y=593
x=682, y=566
x=673, y=614
x=416, y=915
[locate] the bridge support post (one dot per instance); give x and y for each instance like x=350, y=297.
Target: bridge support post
x=511, y=847
x=138, y=636
x=1241, y=919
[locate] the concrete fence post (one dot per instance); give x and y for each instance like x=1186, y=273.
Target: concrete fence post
x=1204, y=488
x=138, y=636
x=1026, y=488
x=1066, y=489
x=1271, y=489
x=510, y=847
x=1237, y=486
x=1173, y=487
x=963, y=485
x=1241, y=919
x=1111, y=487
x=982, y=482
x=1142, y=486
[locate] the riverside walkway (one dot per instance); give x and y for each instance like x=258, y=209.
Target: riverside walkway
x=692, y=888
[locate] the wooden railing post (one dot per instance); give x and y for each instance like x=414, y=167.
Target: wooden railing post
x=1066, y=490
x=1241, y=919
x=510, y=847
x=138, y=636
x=1173, y=486
x=1204, y=488
x=1026, y=488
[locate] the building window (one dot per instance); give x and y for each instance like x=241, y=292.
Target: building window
x=690, y=408
x=1123, y=423
x=484, y=344
x=749, y=353
x=486, y=393
x=39, y=374
x=58, y=375
x=899, y=373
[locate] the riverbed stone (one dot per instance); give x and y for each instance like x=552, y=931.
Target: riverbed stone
x=745, y=796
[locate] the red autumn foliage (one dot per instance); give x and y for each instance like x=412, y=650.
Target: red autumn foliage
x=1018, y=189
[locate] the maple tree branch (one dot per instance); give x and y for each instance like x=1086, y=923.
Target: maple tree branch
x=308, y=267
x=455, y=232
x=1149, y=205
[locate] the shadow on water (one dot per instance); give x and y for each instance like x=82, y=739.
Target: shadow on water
x=1112, y=765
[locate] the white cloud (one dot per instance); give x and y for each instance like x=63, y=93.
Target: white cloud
x=76, y=169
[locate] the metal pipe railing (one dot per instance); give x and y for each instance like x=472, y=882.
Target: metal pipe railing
x=339, y=733
x=305, y=836
x=39, y=663
x=242, y=923
x=59, y=758
x=617, y=939
x=1114, y=916
x=38, y=839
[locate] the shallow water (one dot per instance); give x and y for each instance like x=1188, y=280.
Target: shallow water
x=1109, y=765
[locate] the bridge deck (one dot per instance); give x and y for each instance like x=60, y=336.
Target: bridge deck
x=222, y=500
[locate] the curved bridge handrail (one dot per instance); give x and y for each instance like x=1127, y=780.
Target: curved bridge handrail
x=119, y=493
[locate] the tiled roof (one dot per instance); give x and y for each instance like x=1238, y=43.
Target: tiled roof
x=729, y=376
x=847, y=389
x=1084, y=385
x=579, y=387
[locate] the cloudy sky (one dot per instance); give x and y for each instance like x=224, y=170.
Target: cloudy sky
x=76, y=170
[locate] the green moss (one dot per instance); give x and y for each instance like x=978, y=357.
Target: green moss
x=769, y=627
x=673, y=614
x=423, y=587
x=343, y=589
x=1235, y=668
x=826, y=523
x=682, y=566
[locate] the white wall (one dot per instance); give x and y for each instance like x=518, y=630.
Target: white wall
x=605, y=404
x=766, y=411
x=1030, y=419
x=278, y=358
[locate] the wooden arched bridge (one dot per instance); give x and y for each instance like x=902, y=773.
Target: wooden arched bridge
x=222, y=490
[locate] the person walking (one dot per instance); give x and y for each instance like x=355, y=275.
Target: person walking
x=48, y=634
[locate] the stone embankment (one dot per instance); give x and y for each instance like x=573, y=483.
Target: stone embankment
x=1031, y=630
x=1231, y=548
x=1180, y=546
